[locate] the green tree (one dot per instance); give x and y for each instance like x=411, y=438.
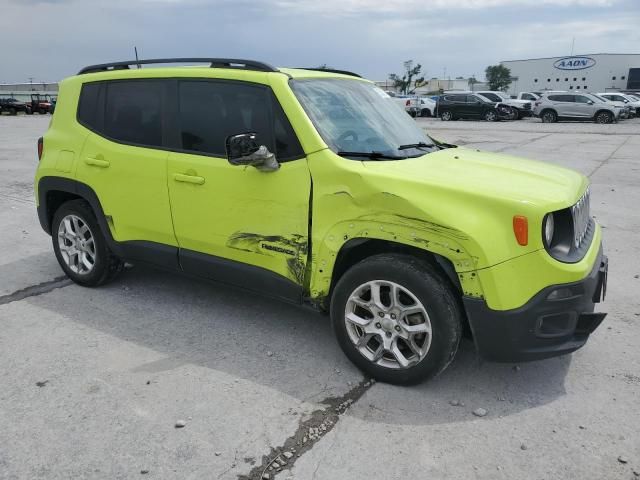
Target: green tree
x=498, y=77
x=409, y=77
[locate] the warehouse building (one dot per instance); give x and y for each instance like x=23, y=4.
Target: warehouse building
x=598, y=72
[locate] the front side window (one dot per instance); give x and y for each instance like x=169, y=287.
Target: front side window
x=211, y=111
x=582, y=99
x=356, y=116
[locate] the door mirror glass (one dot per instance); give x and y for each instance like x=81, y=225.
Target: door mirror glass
x=590, y=102
x=243, y=149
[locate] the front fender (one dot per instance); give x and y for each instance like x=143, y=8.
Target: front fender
x=396, y=229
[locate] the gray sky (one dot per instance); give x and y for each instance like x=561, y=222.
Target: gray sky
x=51, y=39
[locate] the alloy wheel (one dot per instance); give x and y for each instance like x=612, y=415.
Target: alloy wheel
x=388, y=325
x=77, y=244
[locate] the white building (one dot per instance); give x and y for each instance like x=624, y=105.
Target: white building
x=433, y=85
x=595, y=73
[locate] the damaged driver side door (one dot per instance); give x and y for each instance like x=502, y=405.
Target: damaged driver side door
x=238, y=224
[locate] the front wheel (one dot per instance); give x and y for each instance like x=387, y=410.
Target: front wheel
x=491, y=116
x=80, y=246
x=425, y=112
x=396, y=318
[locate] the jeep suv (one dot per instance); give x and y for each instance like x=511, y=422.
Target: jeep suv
x=552, y=107
x=315, y=188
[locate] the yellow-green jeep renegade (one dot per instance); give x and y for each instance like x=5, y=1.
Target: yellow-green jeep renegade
x=315, y=188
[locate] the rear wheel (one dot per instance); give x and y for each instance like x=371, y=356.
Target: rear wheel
x=13, y=111
x=425, y=112
x=446, y=116
x=396, y=318
x=549, y=116
x=604, y=117
x=80, y=246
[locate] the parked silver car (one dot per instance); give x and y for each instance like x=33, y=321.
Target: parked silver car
x=552, y=107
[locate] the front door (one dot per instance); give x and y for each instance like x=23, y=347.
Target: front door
x=237, y=224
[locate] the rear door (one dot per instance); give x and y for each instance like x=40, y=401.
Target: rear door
x=235, y=223
x=563, y=104
x=122, y=159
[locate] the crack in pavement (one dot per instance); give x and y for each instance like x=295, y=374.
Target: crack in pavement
x=35, y=290
x=308, y=433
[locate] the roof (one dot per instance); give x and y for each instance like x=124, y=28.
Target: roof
x=127, y=68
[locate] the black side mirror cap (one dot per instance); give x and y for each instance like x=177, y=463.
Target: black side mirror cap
x=243, y=149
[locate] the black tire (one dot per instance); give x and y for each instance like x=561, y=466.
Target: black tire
x=107, y=266
x=13, y=111
x=548, y=116
x=446, y=115
x=603, y=117
x=491, y=116
x=42, y=111
x=425, y=112
x=430, y=287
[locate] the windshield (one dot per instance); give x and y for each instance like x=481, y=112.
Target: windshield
x=353, y=116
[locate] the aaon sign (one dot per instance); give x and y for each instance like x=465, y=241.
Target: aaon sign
x=574, y=63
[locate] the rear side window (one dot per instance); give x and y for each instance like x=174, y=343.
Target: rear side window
x=210, y=111
x=561, y=98
x=133, y=112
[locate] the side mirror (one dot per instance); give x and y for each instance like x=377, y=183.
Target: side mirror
x=243, y=149
x=590, y=102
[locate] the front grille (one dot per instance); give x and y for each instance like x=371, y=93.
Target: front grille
x=527, y=106
x=581, y=219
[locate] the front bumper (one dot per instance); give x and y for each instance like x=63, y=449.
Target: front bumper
x=543, y=327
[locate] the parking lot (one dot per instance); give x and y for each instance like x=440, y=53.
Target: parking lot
x=93, y=381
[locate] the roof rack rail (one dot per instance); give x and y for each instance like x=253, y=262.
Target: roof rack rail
x=214, y=63
x=331, y=70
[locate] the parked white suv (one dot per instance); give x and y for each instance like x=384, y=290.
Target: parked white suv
x=571, y=106
x=629, y=100
x=521, y=107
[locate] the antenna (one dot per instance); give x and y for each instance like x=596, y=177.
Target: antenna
x=135, y=49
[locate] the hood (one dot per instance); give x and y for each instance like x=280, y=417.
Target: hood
x=504, y=178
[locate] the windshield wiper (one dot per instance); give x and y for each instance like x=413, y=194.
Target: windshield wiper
x=416, y=145
x=374, y=155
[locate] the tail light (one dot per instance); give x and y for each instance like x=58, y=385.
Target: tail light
x=40, y=147
x=408, y=103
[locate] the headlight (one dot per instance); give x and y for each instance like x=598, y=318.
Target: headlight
x=548, y=228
